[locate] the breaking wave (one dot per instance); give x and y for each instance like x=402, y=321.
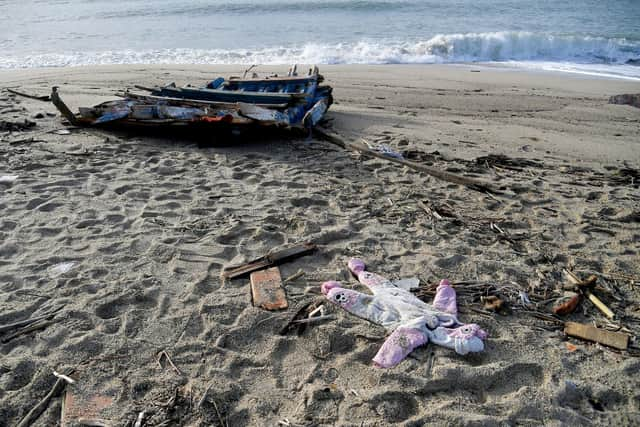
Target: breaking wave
x=450, y=48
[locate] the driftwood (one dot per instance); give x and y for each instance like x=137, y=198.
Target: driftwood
x=270, y=259
x=37, y=410
x=434, y=172
x=44, y=98
x=33, y=327
x=21, y=323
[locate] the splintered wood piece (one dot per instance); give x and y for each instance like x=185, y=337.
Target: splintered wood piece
x=601, y=306
x=267, y=290
x=272, y=258
x=617, y=340
x=62, y=107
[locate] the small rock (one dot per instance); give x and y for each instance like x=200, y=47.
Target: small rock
x=38, y=115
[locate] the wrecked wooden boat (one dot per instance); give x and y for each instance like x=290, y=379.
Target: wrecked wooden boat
x=291, y=101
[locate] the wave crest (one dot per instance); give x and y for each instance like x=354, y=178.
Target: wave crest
x=443, y=48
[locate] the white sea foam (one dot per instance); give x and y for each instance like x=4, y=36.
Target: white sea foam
x=522, y=47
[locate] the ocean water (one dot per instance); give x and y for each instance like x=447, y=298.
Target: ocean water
x=600, y=37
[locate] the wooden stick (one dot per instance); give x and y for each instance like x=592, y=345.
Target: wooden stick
x=20, y=323
x=434, y=172
x=44, y=98
x=599, y=304
x=215, y=406
x=315, y=319
x=204, y=396
x=430, y=211
x=62, y=107
x=37, y=410
x=164, y=353
x=28, y=329
x=270, y=259
x=293, y=277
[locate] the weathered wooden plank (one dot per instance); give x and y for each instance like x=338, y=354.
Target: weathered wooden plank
x=617, y=340
x=262, y=114
x=267, y=290
x=27, y=95
x=272, y=258
x=192, y=102
x=230, y=95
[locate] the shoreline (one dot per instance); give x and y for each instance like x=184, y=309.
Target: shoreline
x=506, y=66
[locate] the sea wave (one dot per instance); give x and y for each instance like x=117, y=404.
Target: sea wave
x=443, y=48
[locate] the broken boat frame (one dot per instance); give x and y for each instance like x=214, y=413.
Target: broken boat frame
x=292, y=101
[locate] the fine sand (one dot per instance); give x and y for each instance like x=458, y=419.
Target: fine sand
x=149, y=222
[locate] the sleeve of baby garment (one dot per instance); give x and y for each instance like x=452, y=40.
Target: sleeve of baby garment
x=398, y=346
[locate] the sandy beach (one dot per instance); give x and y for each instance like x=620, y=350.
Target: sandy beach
x=126, y=235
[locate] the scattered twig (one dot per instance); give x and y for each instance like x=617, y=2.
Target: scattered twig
x=315, y=319
x=543, y=316
x=204, y=396
x=430, y=211
x=266, y=319
x=307, y=379
x=159, y=361
x=92, y=422
x=222, y=423
x=482, y=312
x=301, y=313
x=295, y=276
